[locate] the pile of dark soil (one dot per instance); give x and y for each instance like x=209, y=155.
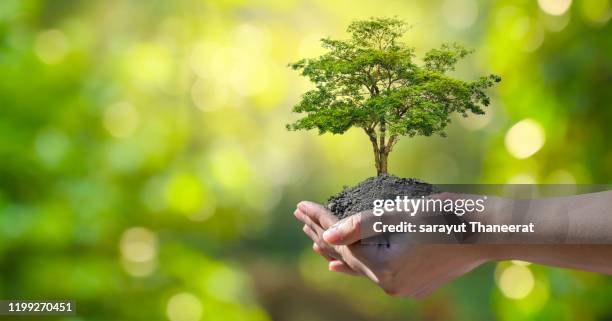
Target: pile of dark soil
x=360, y=197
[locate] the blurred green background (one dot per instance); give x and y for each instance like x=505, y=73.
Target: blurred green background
x=145, y=170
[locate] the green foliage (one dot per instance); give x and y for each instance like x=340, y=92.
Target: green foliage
x=371, y=81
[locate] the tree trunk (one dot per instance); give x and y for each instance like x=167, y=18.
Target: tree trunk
x=381, y=151
x=381, y=169
x=381, y=162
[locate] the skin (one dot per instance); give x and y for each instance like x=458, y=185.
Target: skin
x=416, y=270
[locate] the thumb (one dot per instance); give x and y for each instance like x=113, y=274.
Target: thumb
x=361, y=226
x=349, y=230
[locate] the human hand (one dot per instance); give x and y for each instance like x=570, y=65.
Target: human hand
x=398, y=267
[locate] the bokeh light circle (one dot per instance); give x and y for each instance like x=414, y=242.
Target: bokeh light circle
x=516, y=281
x=51, y=46
x=460, y=14
x=138, y=247
x=554, y=7
x=184, y=306
x=525, y=138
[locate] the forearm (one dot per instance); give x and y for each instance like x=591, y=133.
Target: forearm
x=571, y=232
x=579, y=219
x=594, y=258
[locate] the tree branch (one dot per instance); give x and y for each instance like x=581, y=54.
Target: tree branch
x=392, y=140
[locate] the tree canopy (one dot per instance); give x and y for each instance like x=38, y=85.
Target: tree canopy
x=372, y=81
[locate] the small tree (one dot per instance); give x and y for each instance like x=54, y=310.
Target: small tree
x=371, y=81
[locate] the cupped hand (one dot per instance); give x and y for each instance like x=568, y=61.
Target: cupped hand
x=398, y=267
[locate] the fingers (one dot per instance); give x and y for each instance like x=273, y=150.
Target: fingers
x=347, y=254
x=360, y=226
x=326, y=250
x=351, y=229
x=311, y=234
x=340, y=266
x=317, y=213
x=334, y=265
x=350, y=264
x=320, y=251
x=316, y=218
x=315, y=232
x=308, y=221
x=338, y=253
x=345, y=231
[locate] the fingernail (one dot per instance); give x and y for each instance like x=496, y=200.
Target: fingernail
x=332, y=234
x=331, y=267
x=303, y=205
x=297, y=214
